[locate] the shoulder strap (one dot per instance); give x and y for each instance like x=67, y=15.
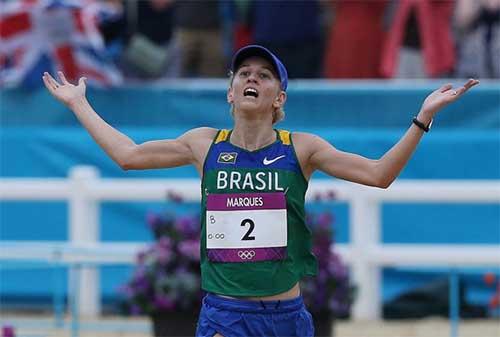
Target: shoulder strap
x=284, y=137
x=222, y=136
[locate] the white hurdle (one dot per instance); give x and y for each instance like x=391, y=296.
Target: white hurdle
x=84, y=190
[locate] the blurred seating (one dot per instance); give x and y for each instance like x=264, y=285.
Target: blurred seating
x=354, y=39
x=199, y=38
x=477, y=26
x=419, y=42
x=292, y=30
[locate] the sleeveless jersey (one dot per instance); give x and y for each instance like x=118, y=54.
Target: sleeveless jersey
x=254, y=240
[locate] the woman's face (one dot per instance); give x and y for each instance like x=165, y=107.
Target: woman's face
x=255, y=88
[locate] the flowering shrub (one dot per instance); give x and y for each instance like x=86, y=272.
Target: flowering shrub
x=167, y=275
x=494, y=301
x=330, y=290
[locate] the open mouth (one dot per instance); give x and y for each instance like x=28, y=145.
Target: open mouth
x=251, y=92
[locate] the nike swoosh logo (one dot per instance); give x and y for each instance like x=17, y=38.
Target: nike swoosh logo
x=268, y=162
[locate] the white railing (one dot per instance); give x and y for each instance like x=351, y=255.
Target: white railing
x=84, y=190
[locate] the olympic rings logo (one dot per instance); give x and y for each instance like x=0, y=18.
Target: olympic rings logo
x=218, y=236
x=246, y=254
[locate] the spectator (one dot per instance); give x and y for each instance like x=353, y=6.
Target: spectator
x=242, y=32
x=478, y=28
x=355, y=39
x=291, y=29
x=419, y=41
x=199, y=37
x=140, y=36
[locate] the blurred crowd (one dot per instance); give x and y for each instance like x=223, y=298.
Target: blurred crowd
x=149, y=40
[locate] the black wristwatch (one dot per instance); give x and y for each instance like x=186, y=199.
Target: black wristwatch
x=422, y=125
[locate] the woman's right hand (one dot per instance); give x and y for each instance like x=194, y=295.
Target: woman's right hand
x=65, y=92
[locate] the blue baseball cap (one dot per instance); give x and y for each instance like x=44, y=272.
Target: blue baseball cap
x=256, y=50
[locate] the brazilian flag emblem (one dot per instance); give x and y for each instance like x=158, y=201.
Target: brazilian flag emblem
x=227, y=157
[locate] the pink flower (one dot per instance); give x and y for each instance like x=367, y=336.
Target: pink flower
x=8, y=331
x=165, y=243
x=163, y=256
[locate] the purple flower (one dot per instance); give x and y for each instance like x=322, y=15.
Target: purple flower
x=8, y=331
x=322, y=275
x=162, y=302
x=167, y=272
x=140, y=272
x=135, y=309
x=163, y=256
x=140, y=282
x=325, y=220
x=339, y=307
x=191, y=249
x=182, y=224
x=330, y=289
x=188, y=227
x=165, y=243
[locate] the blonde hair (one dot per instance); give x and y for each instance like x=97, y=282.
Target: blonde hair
x=278, y=114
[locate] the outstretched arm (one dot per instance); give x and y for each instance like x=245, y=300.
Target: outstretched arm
x=187, y=149
x=318, y=154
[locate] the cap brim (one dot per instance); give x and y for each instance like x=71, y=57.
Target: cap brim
x=250, y=51
x=256, y=50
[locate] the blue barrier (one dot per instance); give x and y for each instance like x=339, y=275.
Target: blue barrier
x=311, y=104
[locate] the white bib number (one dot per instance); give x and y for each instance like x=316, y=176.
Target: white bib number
x=246, y=229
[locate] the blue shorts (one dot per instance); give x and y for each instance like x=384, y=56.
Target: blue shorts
x=242, y=318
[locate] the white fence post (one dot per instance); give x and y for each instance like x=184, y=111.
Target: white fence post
x=365, y=235
x=84, y=229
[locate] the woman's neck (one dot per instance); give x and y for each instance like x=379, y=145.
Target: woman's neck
x=252, y=134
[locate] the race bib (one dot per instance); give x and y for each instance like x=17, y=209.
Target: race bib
x=246, y=227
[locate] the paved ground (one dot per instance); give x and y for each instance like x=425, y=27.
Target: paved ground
x=36, y=326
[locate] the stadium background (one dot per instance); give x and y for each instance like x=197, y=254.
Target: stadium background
x=39, y=138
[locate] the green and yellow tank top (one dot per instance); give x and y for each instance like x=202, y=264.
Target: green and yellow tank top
x=254, y=240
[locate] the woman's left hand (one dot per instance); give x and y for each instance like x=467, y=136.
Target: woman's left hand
x=442, y=97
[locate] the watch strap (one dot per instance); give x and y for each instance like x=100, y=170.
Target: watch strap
x=421, y=125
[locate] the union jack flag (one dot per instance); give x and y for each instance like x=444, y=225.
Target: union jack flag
x=51, y=35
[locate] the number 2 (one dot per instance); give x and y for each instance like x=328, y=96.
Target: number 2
x=247, y=236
